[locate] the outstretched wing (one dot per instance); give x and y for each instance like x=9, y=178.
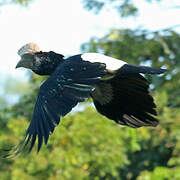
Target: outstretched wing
x=72, y=82
x=126, y=100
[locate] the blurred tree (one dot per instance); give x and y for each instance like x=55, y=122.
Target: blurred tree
x=11, y=88
x=159, y=150
x=87, y=145
x=155, y=155
x=125, y=8
x=21, y=2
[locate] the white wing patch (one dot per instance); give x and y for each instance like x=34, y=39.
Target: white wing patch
x=111, y=63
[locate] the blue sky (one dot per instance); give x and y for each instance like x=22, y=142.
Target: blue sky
x=62, y=26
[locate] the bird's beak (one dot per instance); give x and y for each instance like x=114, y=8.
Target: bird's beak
x=23, y=63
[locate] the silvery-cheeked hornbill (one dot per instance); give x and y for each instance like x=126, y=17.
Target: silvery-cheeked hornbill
x=118, y=90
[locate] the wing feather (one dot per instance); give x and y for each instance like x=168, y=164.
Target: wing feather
x=71, y=83
x=130, y=102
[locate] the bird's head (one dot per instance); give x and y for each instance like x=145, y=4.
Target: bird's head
x=42, y=63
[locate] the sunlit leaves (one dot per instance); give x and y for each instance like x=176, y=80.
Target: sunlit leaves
x=21, y=2
x=125, y=8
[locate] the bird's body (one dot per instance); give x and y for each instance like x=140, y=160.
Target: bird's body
x=118, y=91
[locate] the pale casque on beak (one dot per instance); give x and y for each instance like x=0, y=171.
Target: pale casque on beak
x=27, y=55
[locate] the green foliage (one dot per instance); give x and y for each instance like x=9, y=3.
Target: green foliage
x=125, y=8
x=88, y=146
x=21, y=2
x=94, y=5
x=157, y=151
x=87, y=149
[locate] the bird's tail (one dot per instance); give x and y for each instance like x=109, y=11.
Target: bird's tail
x=128, y=68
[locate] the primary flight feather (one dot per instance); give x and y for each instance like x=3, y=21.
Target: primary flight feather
x=118, y=90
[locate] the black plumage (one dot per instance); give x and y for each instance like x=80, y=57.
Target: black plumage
x=118, y=90
x=131, y=104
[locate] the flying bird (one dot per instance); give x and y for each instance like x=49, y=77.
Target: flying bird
x=117, y=89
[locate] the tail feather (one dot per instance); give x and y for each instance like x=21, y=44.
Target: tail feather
x=128, y=68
